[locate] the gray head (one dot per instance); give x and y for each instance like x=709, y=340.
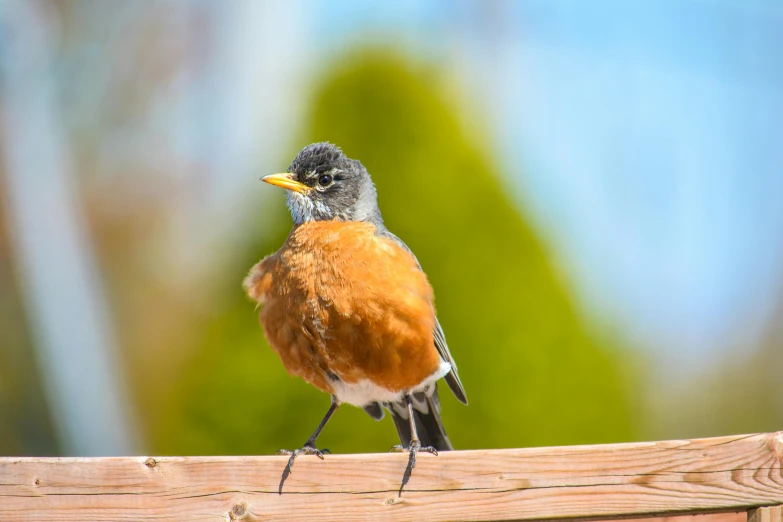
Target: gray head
x=324, y=184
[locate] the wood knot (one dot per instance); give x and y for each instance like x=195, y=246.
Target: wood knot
x=151, y=463
x=237, y=511
x=37, y=482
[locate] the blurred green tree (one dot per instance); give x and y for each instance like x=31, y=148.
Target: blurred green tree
x=534, y=373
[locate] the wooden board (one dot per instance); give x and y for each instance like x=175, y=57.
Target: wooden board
x=766, y=514
x=734, y=473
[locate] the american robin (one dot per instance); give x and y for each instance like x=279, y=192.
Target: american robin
x=347, y=307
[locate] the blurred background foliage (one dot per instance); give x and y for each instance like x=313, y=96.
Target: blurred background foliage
x=597, y=211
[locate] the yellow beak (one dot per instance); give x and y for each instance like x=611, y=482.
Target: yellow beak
x=286, y=181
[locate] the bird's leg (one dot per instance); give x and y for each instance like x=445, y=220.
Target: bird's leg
x=415, y=446
x=309, y=446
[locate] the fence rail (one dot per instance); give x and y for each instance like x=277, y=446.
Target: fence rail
x=666, y=478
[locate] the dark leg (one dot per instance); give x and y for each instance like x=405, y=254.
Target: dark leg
x=309, y=446
x=415, y=445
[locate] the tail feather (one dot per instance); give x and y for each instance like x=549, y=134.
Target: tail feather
x=429, y=428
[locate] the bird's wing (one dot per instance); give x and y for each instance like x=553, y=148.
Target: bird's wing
x=451, y=378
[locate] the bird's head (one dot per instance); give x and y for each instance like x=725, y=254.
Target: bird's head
x=324, y=184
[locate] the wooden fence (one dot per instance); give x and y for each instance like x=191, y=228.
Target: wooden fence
x=680, y=477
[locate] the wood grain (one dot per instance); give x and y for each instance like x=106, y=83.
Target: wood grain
x=678, y=477
x=766, y=514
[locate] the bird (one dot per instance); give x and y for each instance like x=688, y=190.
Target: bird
x=347, y=307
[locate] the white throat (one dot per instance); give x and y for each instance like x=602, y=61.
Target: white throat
x=304, y=209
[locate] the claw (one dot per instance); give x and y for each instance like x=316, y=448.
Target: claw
x=306, y=450
x=413, y=448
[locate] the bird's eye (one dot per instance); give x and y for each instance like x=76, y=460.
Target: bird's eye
x=324, y=180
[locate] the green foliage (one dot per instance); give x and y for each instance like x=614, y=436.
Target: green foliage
x=533, y=372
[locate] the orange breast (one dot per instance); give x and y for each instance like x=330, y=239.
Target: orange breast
x=337, y=298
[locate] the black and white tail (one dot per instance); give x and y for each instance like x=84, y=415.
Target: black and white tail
x=426, y=413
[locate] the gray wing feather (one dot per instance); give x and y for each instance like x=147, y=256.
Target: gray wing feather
x=451, y=378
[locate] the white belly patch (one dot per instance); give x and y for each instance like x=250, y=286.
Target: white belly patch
x=364, y=392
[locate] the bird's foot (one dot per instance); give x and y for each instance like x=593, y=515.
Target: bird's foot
x=413, y=449
x=308, y=449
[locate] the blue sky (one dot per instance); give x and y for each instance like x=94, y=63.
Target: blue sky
x=653, y=141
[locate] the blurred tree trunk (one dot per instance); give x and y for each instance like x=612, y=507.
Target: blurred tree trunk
x=59, y=280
